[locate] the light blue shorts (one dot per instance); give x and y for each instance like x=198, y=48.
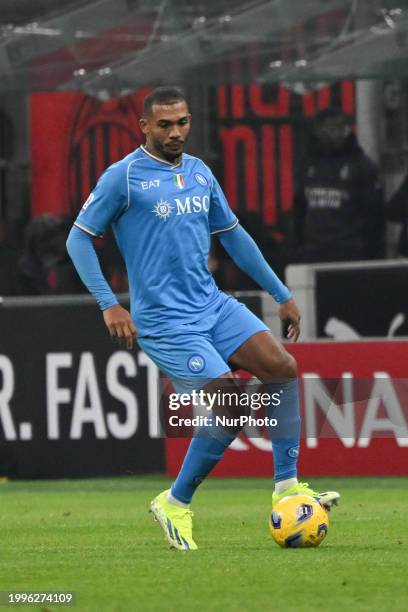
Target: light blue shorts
x=196, y=353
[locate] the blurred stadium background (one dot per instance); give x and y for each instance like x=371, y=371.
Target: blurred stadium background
x=259, y=75
x=73, y=75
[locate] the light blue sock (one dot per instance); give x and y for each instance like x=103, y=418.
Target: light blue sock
x=286, y=436
x=203, y=454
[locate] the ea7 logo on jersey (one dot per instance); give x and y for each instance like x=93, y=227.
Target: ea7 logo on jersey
x=195, y=204
x=149, y=184
x=88, y=202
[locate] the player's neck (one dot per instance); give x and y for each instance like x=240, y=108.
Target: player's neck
x=173, y=161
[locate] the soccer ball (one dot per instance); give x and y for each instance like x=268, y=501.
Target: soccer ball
x=298, y=521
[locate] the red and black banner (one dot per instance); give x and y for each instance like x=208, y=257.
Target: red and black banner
x=258, y=133
x=261, y=133
x=73, y=140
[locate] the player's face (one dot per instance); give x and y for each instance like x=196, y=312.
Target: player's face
x=166, y=127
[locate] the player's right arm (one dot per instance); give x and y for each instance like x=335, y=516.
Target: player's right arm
x=105, y=204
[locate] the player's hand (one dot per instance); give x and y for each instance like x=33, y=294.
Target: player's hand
x=289, y=313
x=120, y=325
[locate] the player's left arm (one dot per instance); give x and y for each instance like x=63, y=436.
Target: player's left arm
x=244, y=251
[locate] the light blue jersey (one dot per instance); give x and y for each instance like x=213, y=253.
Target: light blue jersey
x=162, y=216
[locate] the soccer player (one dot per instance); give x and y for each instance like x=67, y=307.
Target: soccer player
x=163, y=206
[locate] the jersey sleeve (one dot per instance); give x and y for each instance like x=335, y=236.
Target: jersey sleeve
x=107, y=201
x=221, y=217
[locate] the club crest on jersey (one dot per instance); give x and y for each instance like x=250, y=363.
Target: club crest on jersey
x=201, y=180
x=163, y=209
x=178, y=180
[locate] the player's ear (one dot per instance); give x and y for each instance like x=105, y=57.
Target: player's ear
x=143, y=125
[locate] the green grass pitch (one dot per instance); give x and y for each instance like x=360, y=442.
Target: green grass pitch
x=96, y=538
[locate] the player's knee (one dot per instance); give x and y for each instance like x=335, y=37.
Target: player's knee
x=284, y=367
x=291, y=366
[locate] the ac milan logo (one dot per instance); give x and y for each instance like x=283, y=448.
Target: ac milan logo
x=102, y=133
